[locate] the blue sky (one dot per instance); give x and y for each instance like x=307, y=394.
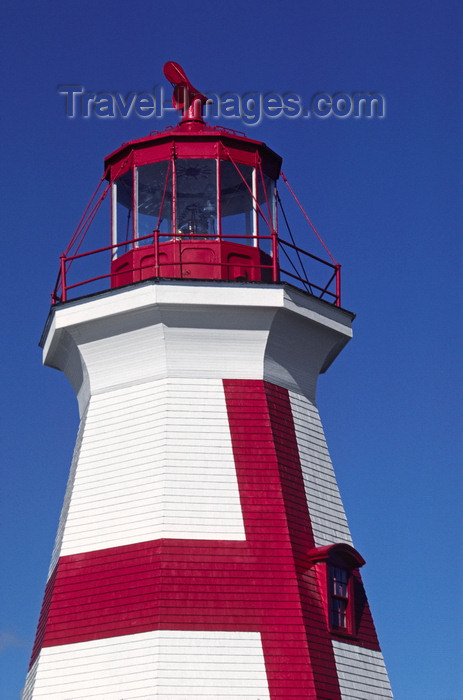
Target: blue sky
x=384, y=193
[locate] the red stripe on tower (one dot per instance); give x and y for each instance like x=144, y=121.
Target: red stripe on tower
x=206, y=585
x=259, y=410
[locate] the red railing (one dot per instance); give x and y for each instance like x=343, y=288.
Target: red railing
x=325, y=287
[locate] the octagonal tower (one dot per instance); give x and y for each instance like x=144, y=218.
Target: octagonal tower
x=203, y=550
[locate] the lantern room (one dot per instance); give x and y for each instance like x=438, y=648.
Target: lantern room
x=193, y=202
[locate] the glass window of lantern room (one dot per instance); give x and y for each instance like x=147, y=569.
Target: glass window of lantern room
x=237, y=210
x=267, y=209
x=121, y=213
x=196, y=197
x=154, y=201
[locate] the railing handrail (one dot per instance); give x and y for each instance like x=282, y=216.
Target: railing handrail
x=176, y=236
x=155, y=236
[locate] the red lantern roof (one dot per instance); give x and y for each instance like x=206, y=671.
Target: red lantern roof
x=195, y=140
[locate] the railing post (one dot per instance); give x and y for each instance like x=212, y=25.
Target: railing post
x=62, y=262
x=156, y=253
x=338, y=284
x=275, y=269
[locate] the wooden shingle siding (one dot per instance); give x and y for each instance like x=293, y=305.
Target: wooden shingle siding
x=200, y=482
x=362, y=673
x=67, y=497
x=155, y=461
x=29, y=686
x=329, y=523
x=216, y=585
x=162, y=664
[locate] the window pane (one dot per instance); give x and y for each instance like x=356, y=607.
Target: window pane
x=338, y=612
x=124, y=210
x=339, y=596
x=338, y=582
x=236, y=201
x=266, y=199
x=154, y=199
x=196, y=197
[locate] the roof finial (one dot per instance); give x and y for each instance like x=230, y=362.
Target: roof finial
x=186, y=98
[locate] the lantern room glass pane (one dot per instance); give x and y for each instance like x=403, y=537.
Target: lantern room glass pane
x=196, y=200
x=236, y=201
x=124, y=210
x=154, y=200
x=266, y=199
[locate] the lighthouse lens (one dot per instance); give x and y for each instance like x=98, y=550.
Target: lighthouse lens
x=196, y=197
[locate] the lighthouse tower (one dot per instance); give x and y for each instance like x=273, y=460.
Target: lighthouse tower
x=203, y=550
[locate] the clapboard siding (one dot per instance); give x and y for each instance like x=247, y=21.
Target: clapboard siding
x=155, y=461
x=180, y=566
x=216, y=586
x=362, y=673
x=213, y=586
x=162, y=329
x=329, y=523
x=67, y=497
x=28, y=690
x=200, y=585
x=169, y=665
x=257, y=408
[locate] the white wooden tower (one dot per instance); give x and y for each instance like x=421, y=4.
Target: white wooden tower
x=203, y=549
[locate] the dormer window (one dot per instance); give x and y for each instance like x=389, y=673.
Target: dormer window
x=336, y=566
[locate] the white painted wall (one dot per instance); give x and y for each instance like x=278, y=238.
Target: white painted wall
x=361, y=672
x=155, y=460
x=329, y=523
x=153, y=457
x=165, y=665
x=215, y=331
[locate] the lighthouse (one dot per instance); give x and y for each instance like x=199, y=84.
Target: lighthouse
x=202, y=550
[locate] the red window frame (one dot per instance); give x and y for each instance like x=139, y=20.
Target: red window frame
x=335, y=565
